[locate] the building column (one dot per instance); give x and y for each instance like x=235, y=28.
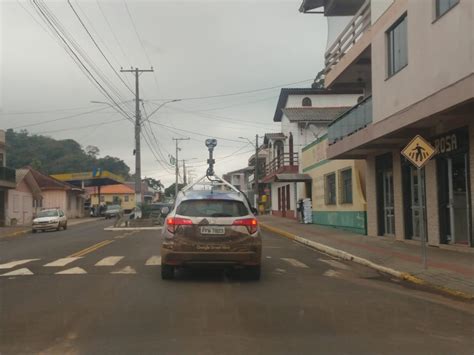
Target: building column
x=431, y=198
x=398, y=196
x=371, y=196
x=471, y=175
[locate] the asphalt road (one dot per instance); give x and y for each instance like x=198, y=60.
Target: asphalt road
x=306, y=303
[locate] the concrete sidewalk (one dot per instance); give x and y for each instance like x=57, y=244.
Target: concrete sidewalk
x=8, y=232
x=448, y=271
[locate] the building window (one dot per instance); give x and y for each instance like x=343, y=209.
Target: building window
x=125, y=198
x=16, y=203
x=307, y=102
x=330, y=189
x=345, y=180
x=443, y=6
x=397, y=46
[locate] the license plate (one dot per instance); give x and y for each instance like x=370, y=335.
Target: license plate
x=212, y=230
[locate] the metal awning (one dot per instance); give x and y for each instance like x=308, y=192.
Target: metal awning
x=290, y=178
x=97, y=177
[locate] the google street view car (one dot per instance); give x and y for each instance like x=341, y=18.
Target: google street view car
x=213, y=223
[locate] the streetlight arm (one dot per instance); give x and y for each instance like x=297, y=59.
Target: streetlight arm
x=159, y=107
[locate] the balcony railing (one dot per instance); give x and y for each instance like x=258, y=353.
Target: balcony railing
x=349, y=36
x=281, y=163
x=351, y=121
x=7, y=174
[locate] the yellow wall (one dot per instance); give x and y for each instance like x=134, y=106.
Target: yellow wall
x=315, y=163
x=109, y=198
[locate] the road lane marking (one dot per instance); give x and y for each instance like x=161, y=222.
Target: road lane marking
x=19, y=272
x=62, y=261
x=72, y=271
x=154, y=260
x=91, y=248
x=332, y=273
x=125, y=270
x=295, y=262
x=334, y=263
x=12, y=264
x=109, y=261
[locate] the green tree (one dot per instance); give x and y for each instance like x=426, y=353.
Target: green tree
x=154, y=184
x=170, y=190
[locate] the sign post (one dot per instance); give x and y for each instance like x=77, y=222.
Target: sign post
x=419, y=152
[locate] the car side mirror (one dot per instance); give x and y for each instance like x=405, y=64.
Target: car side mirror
x=165, y=210
x=254, y=210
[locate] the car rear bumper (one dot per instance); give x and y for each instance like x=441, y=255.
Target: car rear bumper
x=178, y=258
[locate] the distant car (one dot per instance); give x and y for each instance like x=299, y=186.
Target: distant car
x=49, y=219
x=208, y=227
x=112, y=211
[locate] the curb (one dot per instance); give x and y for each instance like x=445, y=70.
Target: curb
x=357, y=259
x=15, y=234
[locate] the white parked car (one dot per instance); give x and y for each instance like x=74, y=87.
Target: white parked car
x=48, y=219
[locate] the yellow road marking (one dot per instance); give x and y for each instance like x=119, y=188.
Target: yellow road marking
x=91, y=248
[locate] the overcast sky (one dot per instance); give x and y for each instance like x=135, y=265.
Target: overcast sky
x=197, y=48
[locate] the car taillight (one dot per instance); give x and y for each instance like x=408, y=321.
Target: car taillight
x=173, y=223
x=250, y=223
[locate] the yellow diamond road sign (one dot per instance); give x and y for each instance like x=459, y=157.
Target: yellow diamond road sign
x=419, y=151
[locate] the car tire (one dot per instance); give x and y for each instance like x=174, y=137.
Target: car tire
x=33, y=230
x=253, y=272
x=59, y=227
x=167, y=272
x=65, y=226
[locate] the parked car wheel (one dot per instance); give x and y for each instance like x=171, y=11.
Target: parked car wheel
x=33, y=230
x=65, y=226
x=167, y=272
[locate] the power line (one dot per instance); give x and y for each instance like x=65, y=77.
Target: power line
x=81, y=127
x=141, y=42
x=113, y=33
x=98, y=47
x=198, y=134
x=238, y=92
x=60, y=118
x=61, y=33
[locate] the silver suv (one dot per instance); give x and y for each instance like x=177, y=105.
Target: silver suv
x=211, y=227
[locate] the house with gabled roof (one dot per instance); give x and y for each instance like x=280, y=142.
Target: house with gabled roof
x=304, y=114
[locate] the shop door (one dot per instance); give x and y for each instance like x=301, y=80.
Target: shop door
x=283, y=202
x=416, y=209
x=388, y=203
x=458, y=204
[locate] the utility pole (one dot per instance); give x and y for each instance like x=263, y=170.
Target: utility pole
x=177, y=164
x=184, y=172
x=256, y=171
x=138, y=162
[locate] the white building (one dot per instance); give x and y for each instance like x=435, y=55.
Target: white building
x=304, y=114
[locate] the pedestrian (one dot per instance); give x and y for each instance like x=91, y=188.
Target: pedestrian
x=299, y=209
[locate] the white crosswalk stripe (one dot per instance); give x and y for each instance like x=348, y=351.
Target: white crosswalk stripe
x=63, y=261
x=125, y=270
x=154, y=260
x=72, y=271
x=335, y=263
x=109, y=261
x=12, y=264
x=19, y=272
x=295, y=263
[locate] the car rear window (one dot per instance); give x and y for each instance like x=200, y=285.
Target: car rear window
x=212, y=208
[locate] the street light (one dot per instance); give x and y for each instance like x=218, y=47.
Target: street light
x=160, y=106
